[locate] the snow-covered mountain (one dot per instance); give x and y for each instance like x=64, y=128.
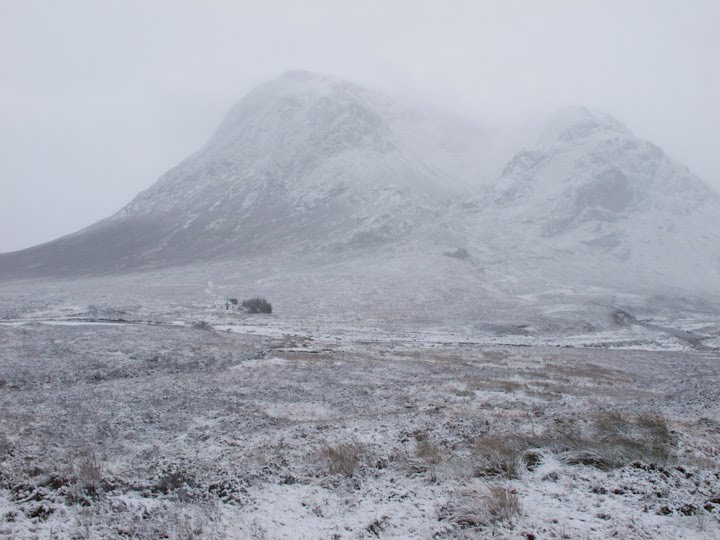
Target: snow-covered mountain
x=311, y=167
x=589, y=168
x=592, y=193
x=302, y=162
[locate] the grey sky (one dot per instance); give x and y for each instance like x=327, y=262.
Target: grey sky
x=97, y=99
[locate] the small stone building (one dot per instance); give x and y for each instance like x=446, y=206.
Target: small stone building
x=228, y=304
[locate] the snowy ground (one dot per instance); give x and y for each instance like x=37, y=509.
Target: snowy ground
x=129, y=422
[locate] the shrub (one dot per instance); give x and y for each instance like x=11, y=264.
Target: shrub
x=202, y=325
x=175, y=477
x=459, y=253
x=257, y=305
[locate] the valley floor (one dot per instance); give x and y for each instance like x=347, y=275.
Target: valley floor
x=118, y=430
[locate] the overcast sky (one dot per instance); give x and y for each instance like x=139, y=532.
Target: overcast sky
x=98, y=99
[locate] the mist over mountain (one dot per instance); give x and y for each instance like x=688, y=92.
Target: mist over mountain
x=463, y=287
x=312, y=167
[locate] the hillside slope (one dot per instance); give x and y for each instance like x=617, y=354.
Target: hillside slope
x=303, y=162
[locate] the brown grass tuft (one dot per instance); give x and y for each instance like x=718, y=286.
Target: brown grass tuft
x=498, y=504
x=343, y=458
x=502, y=455
x=612, y=439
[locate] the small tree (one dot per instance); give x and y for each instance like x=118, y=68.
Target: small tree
x=257, y=305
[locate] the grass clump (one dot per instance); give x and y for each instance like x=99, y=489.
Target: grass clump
x=497, y=505
x=343, y=458
x=504, y=455
x=612, y=440
x=428, y=452
x=607, y=440
x=88, y=472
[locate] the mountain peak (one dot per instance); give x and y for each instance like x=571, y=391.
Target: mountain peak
x=589, y=173
x=298, y=82
x=578, y=123
x=303, y=78
x=300, y=75
x=296, y=121
x=294, y=105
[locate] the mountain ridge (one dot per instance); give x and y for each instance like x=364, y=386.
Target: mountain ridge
x=310, y=164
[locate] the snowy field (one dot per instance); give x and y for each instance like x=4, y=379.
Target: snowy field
x=137, y=422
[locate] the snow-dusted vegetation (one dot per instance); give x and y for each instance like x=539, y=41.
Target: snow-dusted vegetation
x=115, y=425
